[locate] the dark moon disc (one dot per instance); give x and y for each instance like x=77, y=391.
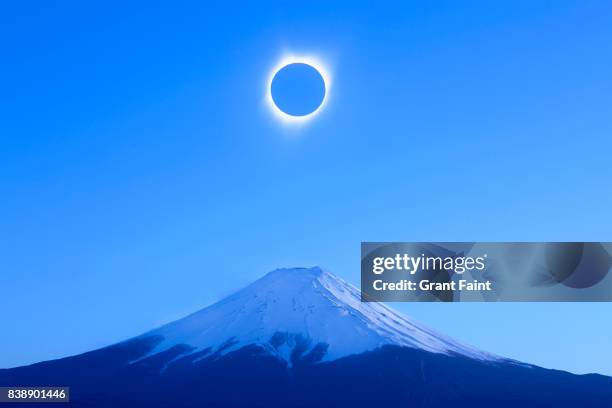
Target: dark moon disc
x=298, y=89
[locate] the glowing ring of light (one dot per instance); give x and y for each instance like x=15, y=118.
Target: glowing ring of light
x=291, y=59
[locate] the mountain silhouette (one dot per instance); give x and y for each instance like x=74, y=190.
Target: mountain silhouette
x=302, y=338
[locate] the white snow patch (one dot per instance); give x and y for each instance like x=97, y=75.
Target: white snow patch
x=303, y=307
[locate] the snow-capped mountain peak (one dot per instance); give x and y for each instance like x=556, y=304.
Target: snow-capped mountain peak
x=303, y=312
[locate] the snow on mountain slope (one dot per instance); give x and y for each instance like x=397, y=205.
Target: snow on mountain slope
x=303, y=309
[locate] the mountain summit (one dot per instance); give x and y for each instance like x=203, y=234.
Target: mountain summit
x=302, y=313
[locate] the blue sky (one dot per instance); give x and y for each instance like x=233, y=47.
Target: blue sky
x=142, y=175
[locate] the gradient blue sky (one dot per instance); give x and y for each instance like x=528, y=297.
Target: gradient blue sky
x=142, y=176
